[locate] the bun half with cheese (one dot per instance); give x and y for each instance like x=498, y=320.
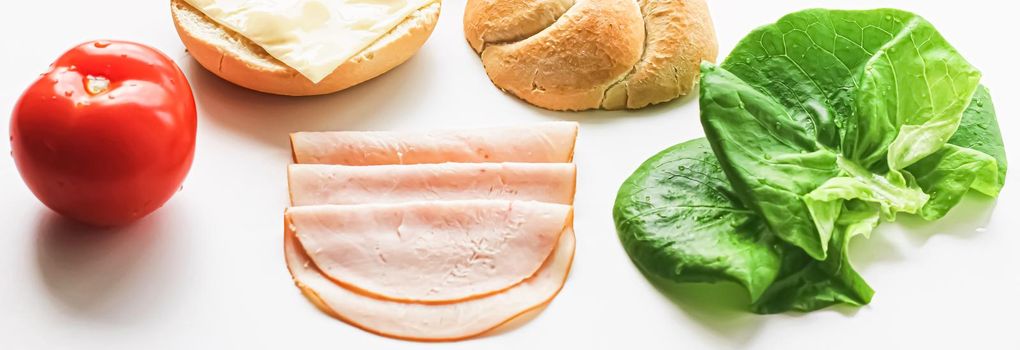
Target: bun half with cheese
x=299, y=51
x=591, y=54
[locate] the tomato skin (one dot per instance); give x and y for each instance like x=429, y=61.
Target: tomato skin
x=111, y=157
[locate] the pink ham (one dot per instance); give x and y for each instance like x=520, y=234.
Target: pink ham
x=427, y=322
x=312, y=184
x=551, y=142
x=430, y=252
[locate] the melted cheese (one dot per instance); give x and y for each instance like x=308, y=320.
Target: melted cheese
x=312, y=36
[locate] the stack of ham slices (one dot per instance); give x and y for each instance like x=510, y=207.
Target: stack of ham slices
x=434, y=236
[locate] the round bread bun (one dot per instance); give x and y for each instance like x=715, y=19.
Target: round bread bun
x=591, y=54
x=237, y=59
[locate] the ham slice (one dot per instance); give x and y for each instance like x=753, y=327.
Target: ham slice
x=430, y=252
x=551, y=142
x=426, y=322
x=312, y=184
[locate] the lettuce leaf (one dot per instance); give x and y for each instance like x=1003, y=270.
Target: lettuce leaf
x=861, y=94
x=821, y=125
x=974, y=158
x=768, y=154
x=678, y=219
x=912, y=94
x=806, y=284
x=979, y=130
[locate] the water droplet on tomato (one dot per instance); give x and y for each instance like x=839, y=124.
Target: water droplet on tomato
x=97, y=85
x=110, y=96
x=68, y=93
x=102, y=44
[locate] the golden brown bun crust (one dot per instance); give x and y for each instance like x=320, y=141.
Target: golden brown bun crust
x=240, y=61
x=502, y=21
x=588, y=54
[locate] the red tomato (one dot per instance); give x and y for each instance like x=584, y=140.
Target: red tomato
x=107, y=135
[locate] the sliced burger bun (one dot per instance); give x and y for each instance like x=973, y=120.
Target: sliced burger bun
x=237, y=59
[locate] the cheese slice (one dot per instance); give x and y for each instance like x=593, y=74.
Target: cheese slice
x=312, y=36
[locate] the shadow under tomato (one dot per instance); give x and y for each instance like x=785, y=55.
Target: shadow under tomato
x=270, y=118
x=101, y=272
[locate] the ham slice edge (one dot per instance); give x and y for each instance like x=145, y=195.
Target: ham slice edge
x=313, y=184
x=425, y=322
x=549, y=142
x=430, y=252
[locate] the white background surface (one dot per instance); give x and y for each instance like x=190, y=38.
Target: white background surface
x=206, y=271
